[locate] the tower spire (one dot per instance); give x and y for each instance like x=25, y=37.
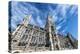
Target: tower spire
x=51, y=30
x=48, y=28
x=25, y=22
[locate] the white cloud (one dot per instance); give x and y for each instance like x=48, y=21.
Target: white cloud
x=73, y=10
x=55, y=18
x=64, y=30
x=58, y=27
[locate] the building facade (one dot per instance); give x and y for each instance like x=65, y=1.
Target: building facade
x=29, y=38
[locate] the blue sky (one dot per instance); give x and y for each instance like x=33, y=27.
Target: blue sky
x=65, y=16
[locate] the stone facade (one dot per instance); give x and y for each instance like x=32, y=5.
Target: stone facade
x=31, y=38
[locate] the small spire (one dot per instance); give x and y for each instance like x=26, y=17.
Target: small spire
x=26, y=19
